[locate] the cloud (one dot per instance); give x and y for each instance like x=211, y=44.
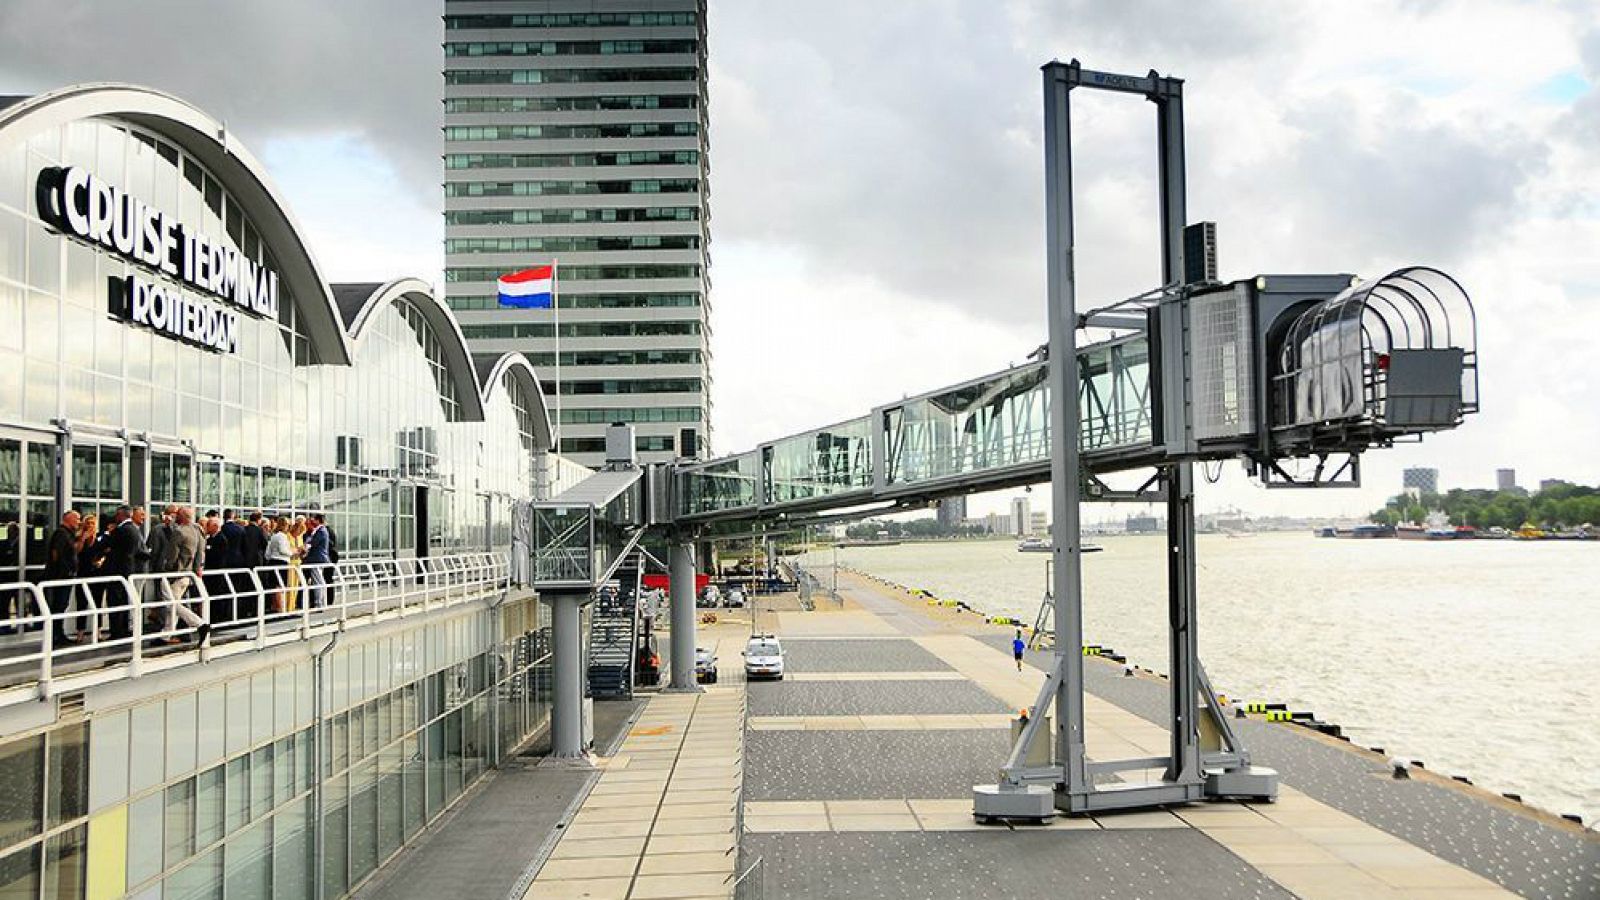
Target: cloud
x=271, y=70
x=877, y=186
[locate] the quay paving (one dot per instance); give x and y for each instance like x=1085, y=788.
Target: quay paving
x=1524, y=852
x=873, y=800
x=870, y=807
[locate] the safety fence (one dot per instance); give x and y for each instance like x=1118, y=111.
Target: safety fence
x=77, y=632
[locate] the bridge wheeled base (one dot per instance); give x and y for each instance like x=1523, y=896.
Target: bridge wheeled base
x=1249, y=783
x=1004, y=801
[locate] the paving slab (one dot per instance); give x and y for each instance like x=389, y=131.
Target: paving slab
x=807, y=655
x=1180, y=864
x=1523, y=853
x=801, y=698
x=831, y=765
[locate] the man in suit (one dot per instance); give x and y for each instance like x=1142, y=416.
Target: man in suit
x=252, y=549
x=315, y=563
x=61, y=561
x=124, y=549
x=184, y=555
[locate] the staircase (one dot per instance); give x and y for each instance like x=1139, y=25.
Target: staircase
x=613, y=633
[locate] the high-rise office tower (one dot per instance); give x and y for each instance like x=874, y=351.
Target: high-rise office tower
x=1420, y=479
x=575, y=133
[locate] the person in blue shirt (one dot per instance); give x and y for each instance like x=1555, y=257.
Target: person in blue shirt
x=1017, y=646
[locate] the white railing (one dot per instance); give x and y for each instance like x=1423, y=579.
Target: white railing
x=136, y=624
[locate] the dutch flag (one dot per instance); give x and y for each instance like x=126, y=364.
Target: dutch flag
x=529, y=289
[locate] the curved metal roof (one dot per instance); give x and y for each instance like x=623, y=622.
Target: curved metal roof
x=207, y=140
x=335, y=316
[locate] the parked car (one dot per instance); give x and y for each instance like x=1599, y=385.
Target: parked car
x=735, y=599
x=710, y=598
x=763, y=658
x=705, y=666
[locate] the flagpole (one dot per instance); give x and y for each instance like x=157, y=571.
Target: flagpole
x=555, y=304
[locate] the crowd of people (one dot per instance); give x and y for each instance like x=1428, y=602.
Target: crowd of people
x=209, y=560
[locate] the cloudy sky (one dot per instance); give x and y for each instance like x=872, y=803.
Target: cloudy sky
x=876, y=172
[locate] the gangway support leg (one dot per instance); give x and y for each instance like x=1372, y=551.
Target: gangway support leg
x=680, y=563
x=566, y=712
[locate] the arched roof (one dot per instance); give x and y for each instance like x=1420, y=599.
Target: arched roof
x=240, y=173
x=334, y=317
x=493, y=368
x=358, y=313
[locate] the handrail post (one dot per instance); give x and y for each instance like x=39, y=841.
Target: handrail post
x=261, y=608
x=47, y=643
x=136, y=626
x=203, y=648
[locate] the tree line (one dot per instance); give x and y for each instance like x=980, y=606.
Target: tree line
x=1562, y=505
x=916, y=528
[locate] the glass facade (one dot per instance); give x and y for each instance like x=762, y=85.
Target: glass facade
x=271, y=773
x=95, y=411
x=223, y=790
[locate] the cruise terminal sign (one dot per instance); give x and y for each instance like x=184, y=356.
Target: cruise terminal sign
x=89, y=208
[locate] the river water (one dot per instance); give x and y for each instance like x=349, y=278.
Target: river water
x=1481, y=658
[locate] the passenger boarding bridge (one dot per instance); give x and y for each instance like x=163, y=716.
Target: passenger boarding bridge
x=1294, y=375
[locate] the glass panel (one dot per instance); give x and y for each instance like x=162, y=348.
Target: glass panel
x=65, y=856
x=292, y=856
x=415, y=777
x=10, y=467
x=21, y=789
x=238, y=794
x=452, y=754
x=363, y=820
x=180, y=822
x=146, y=818
x=209, y=806
x=390, y=777
x=69, y=774
x=41, y=470
x=146, y=746
x=335, y=846
x=19, y=873
x=200, y=880
x=248, y=857
x=435, y=768
x=260, y=782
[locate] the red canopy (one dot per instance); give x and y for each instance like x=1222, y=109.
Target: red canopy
x=658, y=581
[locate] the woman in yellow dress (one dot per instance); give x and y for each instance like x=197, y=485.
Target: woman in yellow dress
x=297, y=543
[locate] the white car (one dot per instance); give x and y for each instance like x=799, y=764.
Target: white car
x=763, y=658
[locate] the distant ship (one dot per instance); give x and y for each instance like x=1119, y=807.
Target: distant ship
x=1040, y=545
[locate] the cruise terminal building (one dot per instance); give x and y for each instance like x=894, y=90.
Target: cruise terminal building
x=167, y=336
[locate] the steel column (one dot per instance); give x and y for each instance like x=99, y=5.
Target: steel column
x=566, y=712
x=1183, y=649
x=1061, y=310
x=680, y=563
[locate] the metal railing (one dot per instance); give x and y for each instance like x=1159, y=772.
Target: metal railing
x=154, y=621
